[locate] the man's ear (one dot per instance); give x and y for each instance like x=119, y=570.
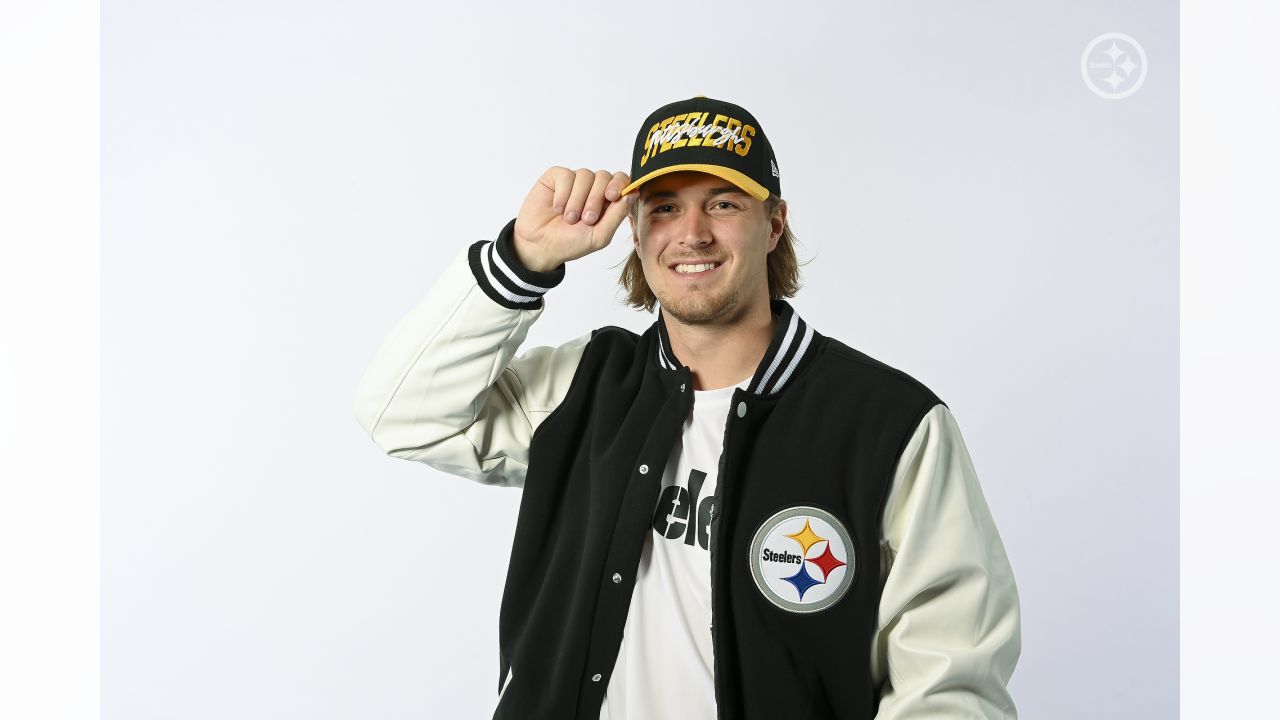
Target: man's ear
x=635, y=239
x=777, y=223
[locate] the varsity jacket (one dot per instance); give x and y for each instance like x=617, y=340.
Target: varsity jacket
x=895, y=599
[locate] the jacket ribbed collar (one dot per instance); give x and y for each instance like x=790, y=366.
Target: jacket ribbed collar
x=793, y=344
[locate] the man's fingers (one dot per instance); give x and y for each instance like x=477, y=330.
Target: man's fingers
x=563, y=197
x=594, y=206
x=582, y=182
x=616, y=210
x=562, y=184
x=616, y=183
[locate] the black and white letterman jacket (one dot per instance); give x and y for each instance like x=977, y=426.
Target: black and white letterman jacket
x=916, y=614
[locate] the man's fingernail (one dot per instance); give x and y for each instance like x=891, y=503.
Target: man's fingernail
x=589, y=216
x=571, y=216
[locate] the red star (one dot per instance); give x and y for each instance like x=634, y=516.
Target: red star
x=826, y=562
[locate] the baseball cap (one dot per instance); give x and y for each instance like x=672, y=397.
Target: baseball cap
x=710, y=136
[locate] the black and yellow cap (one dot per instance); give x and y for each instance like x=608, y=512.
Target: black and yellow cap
x=710, y=136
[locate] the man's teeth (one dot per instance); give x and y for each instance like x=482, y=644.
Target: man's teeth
x=695, y=268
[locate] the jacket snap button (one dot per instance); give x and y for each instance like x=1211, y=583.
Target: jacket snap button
x=595, y=678
x=617, y=577
x=681, y=387
x=742, y=409
x=644, y=469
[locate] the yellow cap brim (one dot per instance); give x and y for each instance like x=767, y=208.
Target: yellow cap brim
x=751, y=187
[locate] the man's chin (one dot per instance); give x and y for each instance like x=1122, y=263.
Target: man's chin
x=695, y=311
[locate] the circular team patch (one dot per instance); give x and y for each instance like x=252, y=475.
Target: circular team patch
x=802, y=559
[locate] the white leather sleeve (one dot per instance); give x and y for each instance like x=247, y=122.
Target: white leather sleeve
x=949, y=628
x=444, y=389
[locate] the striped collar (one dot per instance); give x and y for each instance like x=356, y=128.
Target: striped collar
x=792, y=344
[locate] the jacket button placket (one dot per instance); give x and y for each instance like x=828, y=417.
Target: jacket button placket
x=611, y=614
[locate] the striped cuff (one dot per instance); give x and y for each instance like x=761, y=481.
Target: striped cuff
x=498, y=271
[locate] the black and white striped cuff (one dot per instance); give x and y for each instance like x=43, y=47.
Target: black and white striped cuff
x=500, y=274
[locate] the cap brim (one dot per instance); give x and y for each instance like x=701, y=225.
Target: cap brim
x=749, y=186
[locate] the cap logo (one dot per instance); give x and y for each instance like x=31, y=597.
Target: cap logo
x=692, y=130
x=802, y=559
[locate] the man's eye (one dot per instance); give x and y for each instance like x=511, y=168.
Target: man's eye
x=661, y=207
x=726, y=202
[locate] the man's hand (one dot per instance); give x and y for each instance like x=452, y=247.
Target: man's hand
x=568, y=215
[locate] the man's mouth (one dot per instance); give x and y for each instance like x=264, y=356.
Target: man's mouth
x=695, y=269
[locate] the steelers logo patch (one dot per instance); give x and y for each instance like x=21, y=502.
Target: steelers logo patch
x=802, y=559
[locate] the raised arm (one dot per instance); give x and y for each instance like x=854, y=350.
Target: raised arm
x=445, y=387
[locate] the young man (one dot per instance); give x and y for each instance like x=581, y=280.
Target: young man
x=728, y=516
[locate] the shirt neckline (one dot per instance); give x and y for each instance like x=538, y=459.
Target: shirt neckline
x=722, y=393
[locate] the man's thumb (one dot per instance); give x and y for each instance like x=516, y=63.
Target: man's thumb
x=614, y=214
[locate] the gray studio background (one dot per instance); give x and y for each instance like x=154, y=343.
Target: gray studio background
x=283, y=180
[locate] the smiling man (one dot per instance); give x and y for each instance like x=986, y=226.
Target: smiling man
x=730, y=515
x=704, y=258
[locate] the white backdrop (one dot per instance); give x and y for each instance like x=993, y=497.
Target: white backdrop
x=282, y=180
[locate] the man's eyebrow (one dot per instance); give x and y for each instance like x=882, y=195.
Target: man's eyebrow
x=722, y=190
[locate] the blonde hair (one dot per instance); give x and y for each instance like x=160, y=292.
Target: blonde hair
x=783, y=267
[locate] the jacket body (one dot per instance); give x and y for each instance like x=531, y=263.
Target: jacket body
x=829, y=437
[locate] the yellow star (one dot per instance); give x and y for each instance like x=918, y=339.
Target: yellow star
x=806, y=537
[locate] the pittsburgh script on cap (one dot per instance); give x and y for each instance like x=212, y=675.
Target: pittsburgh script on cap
x=666, y=134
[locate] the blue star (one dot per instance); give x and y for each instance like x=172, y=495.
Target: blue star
x=802, y=581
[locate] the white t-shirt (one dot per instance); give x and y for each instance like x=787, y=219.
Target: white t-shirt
x=665, y=663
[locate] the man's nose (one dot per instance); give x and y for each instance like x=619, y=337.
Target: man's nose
x=694, y=229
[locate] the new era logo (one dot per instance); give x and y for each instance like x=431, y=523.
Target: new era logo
x=774, y=166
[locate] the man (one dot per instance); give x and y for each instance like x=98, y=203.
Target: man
x=728, y=516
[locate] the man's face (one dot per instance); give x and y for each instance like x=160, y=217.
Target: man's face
x=693, y=218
